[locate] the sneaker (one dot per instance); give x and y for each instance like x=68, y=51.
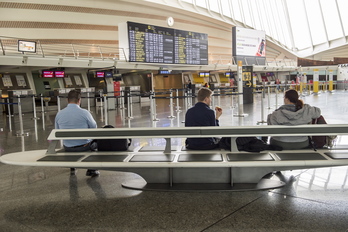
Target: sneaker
x=73, y=171
x=92, y=173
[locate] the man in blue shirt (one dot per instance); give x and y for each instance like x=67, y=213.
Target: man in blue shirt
x=74, y=117
x=201, y=115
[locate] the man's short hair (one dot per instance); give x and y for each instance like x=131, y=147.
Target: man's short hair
x=203, y=93
x=74, y=96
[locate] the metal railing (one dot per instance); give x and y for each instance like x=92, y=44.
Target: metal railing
x=56, y=48
x=44, y=48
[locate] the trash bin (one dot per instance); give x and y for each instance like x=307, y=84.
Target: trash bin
x=248, y=96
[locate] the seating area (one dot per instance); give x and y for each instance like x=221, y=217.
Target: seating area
x=48, y=198
x=176, y=168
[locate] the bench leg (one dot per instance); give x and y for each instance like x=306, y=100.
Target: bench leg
x=168, y=148
x=52, y=147
x=201, y=179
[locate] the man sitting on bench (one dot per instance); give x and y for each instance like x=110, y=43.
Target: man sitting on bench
x=74, y=117
x=201, y=115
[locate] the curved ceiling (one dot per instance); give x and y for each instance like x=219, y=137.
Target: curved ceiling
x=95, y=22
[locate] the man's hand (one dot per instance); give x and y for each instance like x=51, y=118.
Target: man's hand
x=218, y=112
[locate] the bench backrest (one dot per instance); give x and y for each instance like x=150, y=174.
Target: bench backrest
x=192, y=132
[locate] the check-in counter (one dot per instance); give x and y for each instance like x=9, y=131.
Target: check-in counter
x=135, y=93
x=26, y=100
x=62, y=94
x=87, y=95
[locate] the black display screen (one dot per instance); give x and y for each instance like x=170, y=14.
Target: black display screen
x=191, y=48
x=152, y=44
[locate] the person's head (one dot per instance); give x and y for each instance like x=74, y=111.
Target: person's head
x=204, y=95
x=74, y=97
x=291, y=97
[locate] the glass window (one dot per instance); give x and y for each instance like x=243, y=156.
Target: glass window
x=315, y=20
x=236, y=10
x=272, y=15
x=263, y=16
x=256, y=14
x=214, y=5
x=247, y=15
x=343, y=4
x=201, y=3
x=282, y=25
x=226, y=10
x=298, y=24
x=332, y=22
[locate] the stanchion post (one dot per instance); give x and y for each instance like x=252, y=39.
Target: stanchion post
x=88, y=102
x=42, y=112
x=240, y=90
x=105, y=109
x=58, y=102
x=185, y=100
x=153, y=102
x=212, y=101
x=131, y=104
x=189, y=98
x=34, y=109
x=171, y=105
x=177, y=101
x=9, y=114
x=232, y=100
x=122, y=99
x=276, y=100
x=128, y=105
x=268, y=97
x=262, y=110
x=20, y=116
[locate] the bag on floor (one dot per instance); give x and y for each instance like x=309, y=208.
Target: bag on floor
x=322, y=141
x=113, y=144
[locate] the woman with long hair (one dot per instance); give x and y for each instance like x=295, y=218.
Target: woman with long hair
x=293, y=112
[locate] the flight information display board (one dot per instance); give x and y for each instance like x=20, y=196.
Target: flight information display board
x=152, y=44
x=190, y=47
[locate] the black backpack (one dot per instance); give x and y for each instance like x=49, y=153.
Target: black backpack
x=250, y=144
x=323, y=140
x=113, y=144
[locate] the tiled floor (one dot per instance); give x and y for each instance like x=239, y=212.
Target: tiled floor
x=49, y=199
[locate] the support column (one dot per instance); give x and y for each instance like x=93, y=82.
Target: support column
x=330, y=80
x=316, y=81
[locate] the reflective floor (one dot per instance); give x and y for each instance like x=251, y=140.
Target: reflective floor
x=49, y=199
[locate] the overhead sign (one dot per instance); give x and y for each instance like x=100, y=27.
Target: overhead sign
x=26, y=46
x=248, y=42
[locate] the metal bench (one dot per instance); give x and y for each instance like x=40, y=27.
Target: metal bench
x=172, y=168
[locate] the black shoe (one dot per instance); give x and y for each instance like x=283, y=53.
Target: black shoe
x=92, y=173
x=73, y=171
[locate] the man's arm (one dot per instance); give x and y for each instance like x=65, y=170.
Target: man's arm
x=90, y=120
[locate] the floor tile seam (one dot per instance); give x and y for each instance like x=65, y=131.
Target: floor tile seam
x=230, y=214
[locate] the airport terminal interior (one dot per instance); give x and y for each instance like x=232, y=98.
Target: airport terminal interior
x=139, y=64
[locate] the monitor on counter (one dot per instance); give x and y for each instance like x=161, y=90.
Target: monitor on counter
x=47, y=74
x=117, y=77
x=59, y=74
x=108, y=74
x=164, y=72
x=204, y=74
x=100, y=74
